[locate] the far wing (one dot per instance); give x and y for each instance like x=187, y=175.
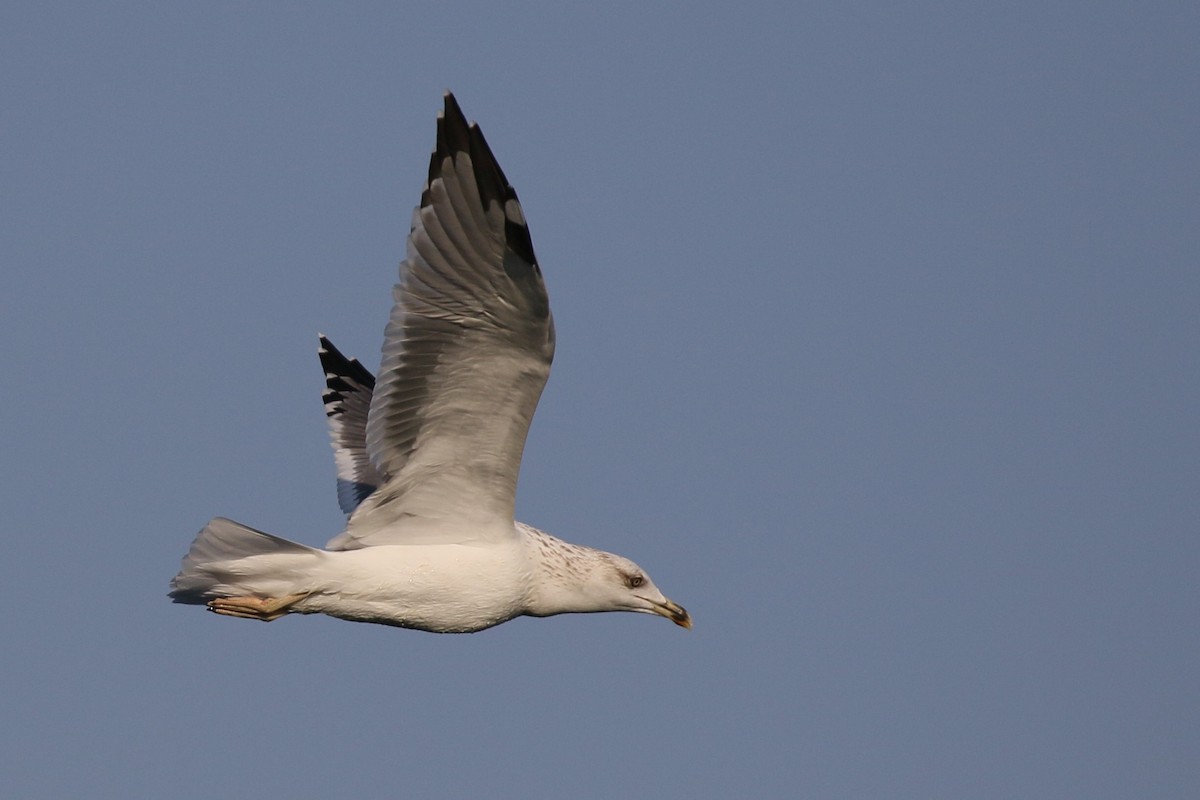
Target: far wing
x=466, y=354
x=347, y=398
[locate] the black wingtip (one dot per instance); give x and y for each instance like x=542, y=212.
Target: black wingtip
x=338, y=368
x=453, y=136
x=454, y=132
x=451, y=108
x=456, y=135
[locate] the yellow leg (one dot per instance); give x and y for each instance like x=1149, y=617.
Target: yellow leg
x=266, y=609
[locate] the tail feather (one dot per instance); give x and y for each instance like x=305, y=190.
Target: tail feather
x=224, y=561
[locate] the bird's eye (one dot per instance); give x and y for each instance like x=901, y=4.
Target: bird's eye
x=635, y=581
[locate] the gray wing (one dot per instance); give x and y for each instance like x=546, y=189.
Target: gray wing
x=466, y=354
x=347, y=398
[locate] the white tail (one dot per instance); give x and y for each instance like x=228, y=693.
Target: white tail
x=228, y=559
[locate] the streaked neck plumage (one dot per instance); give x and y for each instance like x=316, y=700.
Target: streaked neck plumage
x=561, y=573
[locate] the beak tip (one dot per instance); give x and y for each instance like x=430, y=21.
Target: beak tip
x=671, y=610
x=680, y=616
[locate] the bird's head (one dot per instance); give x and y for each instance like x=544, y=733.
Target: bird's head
x=617, y=584
x=570, y=579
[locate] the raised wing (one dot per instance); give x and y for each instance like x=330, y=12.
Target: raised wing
x=466, y=354
x=347, y=397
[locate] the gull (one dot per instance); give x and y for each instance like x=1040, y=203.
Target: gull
x=428, y=453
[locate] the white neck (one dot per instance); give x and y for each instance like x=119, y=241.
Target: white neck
x=560, y=573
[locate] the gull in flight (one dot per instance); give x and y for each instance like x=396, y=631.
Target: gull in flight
x=428, y=455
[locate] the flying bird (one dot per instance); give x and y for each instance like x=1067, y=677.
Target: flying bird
x=427, y=455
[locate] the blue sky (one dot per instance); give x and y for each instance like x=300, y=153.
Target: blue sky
x=877, y=335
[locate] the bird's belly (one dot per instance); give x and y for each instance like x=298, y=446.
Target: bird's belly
x=443, y=588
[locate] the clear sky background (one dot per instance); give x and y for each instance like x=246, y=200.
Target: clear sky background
x=878, y=328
